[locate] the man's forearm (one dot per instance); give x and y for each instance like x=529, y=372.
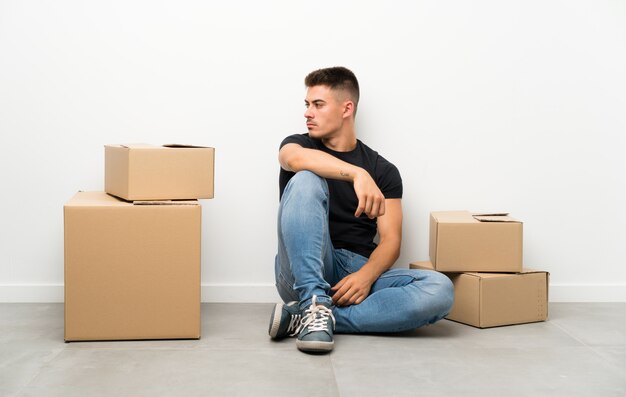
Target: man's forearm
x=355, y=287
x=320, y=163
x=381, y=259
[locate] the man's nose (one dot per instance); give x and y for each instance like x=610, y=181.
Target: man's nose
x=308, y=114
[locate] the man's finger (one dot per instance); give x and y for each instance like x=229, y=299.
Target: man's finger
x=381, y=210
x=339, y=292
x=354, y=299
x=345, y=298
x=375, y=209
x=343, y=292
x=369, y=202
x=360, y=207
x=338, y=285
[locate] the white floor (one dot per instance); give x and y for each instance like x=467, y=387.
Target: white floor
x=579, y=351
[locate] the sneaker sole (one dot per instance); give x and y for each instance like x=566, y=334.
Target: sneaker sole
x=275, y=320
x=314, y=346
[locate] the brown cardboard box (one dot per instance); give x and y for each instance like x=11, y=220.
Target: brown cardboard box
x=132, y=271
x=464, y=242
x=169, y=172
x=492, y=299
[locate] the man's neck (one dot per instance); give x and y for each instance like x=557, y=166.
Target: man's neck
x=343, y=141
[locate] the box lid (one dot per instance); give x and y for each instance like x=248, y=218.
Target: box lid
x=180, y=145
x=151, y=146
x=453, y=216
x=494, y=217
x=131, y=145
x=471, y=217
x=139, y=146
x=102, y=199
x=165, y=202
x=498, y=275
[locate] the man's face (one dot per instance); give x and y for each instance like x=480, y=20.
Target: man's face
x=325, y=111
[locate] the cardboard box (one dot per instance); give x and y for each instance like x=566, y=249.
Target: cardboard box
x=169, y=172
x=464, y=242
x=132, y=270
x=493, y=299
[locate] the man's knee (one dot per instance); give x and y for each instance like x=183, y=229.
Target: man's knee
x=303, y=179
x=307, y=184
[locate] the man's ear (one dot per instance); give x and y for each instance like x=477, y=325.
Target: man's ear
x=348, y=107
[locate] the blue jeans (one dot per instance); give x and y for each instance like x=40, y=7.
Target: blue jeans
x=307, y=264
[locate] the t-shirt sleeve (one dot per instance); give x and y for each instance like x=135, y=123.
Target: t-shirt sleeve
x=388, y=179
x=300, y=139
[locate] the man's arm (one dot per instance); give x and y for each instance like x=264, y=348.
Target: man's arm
x=354, y=288
x=294, y=158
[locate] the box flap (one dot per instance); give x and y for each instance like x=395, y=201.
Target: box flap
x=483, y=275
x=165, y=202
x=528, y=271
x=502, y=217
x=471, y=217
x=138, y=146
x=496, y=275
x=179, y=145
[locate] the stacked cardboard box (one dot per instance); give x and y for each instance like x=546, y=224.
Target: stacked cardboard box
x=132, y=253
x=168, y=172
x=482, y=255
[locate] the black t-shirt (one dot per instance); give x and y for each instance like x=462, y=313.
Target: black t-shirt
x=347, y=231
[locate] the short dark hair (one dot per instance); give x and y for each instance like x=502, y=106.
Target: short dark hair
x=337, y=78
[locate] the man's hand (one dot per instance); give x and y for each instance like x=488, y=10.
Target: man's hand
x=352, y=289
x=371, y=199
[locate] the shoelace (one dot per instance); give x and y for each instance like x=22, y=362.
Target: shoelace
x=316, y=317
x=294, y=325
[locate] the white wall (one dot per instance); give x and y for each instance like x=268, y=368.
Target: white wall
x=483, y=105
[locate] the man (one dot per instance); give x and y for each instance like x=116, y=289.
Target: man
x=336, y=195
